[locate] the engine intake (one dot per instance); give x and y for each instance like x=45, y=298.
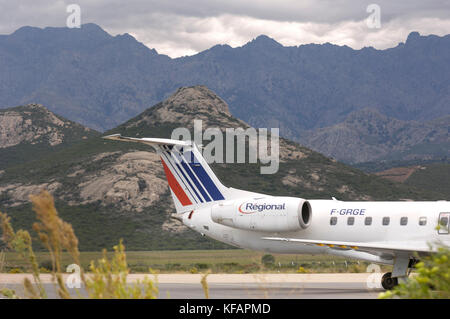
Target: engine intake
x=268, y=214
x=305, y=216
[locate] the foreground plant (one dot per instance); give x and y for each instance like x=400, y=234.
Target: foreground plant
x=204, y=283
x=109, y=277
x=431, y=282
x=20, y=242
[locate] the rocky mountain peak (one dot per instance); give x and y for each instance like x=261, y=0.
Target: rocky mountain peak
x=37, y=106
x=264, y=41
x=186, y=105
x=198, y=98
x=413, y=36
x=366, y=115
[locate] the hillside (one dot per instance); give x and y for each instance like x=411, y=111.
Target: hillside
x=30, y=131
x=121, y=186
x=100, y=80
x=430, y=177
x=367, y=135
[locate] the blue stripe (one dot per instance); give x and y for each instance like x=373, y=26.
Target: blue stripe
x=187, y=180
x=193, y=178
x=175, y=154
x=168, y=161
x=204, y=177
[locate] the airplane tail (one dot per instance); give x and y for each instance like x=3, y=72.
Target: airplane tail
x=191, y=181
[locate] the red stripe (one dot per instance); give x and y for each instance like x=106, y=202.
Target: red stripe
x=175, y=186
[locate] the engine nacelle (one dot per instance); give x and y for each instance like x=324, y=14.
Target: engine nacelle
x=267, y=214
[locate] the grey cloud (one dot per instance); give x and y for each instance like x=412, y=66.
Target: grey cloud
x=324, y=11
x=186, y=27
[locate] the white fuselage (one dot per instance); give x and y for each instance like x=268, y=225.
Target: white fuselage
x=410, y=224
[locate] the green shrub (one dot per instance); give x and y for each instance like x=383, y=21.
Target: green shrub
x=301, y=270
x=202, y=266
x=46, y=264
x=268, y=260
x=15, y=271
x=193, y=270
x=431, y=282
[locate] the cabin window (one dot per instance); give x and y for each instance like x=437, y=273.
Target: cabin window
x=422, y=221
x=386, y=221
x=443, y=223
x=333, y=221
x=350, y=221
x=368, y=221
x=403, y=221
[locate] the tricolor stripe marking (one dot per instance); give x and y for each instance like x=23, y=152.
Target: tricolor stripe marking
x=173, y=156
x=175, y=187
x=168, y=159
x=191, y=171
x=193, y=177
x=176, y=167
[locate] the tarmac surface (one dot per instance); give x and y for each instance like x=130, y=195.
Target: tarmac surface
x=240, y=286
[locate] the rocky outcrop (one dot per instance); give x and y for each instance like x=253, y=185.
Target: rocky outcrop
x=35, y=124
x=133, y=182
x=18, y=194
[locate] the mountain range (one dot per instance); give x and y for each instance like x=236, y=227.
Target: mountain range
x=110, y=190
x=367, y=135
x=380, y=102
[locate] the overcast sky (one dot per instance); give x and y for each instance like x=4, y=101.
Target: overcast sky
x=185, y=27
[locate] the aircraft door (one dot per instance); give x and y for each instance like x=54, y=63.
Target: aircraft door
x=444, y=223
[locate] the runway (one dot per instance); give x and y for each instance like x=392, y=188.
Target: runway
x=241, y=286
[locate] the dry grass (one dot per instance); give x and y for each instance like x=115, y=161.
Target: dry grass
x=205, y=286
x=109, y=275
x=217, y=261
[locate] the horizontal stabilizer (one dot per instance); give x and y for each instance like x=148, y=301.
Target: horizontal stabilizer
x=146, y=140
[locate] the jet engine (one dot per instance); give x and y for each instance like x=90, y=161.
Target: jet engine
x=267, y=214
